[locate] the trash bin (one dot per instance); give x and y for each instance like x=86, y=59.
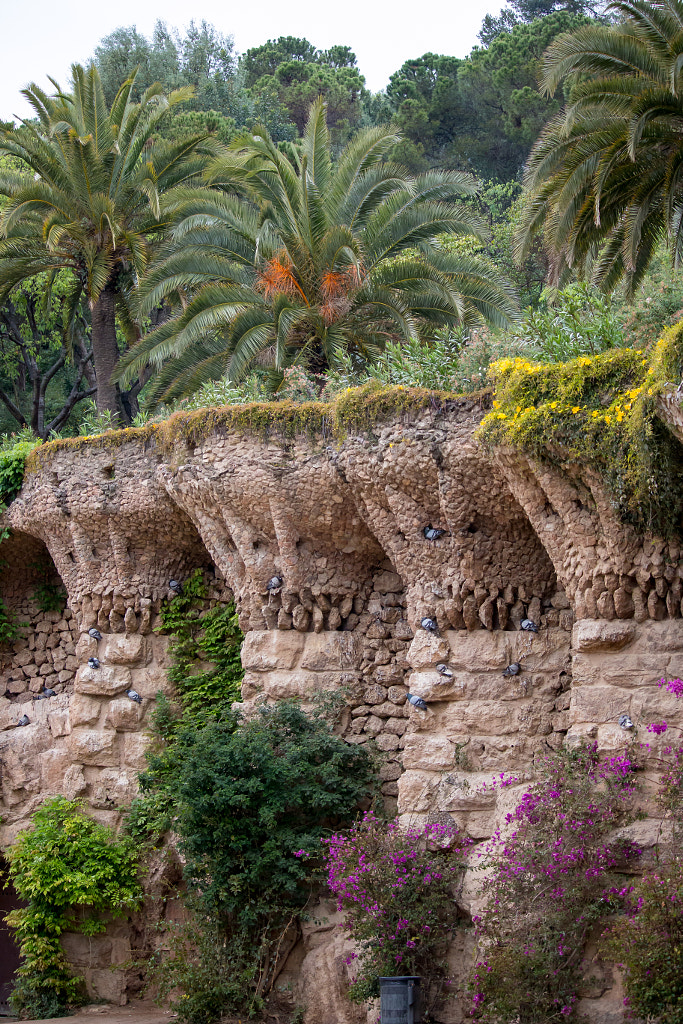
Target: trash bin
x=400, y=1000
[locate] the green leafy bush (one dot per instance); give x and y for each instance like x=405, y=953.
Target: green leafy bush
x=251, y=802
x=201, y=636
x=73, y=873
x=568, y=322
x=14, y=450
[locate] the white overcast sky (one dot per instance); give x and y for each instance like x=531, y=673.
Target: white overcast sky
x=43, y=37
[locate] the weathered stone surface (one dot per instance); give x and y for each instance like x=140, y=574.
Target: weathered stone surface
x=427, y=649
x=94, y=746
x=125, y=649
x=123, y=714
x=263, y=651
x=332, y=651
x=344, y=526
x=591, y=635
x=104, y=681
x=431, y=752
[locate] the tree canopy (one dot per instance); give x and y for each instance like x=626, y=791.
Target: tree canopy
x=604, y=178
x=290, y=256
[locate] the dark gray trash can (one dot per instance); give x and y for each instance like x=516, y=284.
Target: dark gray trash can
x=400, y=1001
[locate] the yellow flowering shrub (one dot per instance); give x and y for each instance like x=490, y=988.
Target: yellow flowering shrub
x=599, y=411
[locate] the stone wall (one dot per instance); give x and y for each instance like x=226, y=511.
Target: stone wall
x=343, y=526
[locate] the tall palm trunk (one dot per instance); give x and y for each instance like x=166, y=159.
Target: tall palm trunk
x=105, y=350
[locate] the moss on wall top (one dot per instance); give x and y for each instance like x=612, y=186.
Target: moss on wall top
x=355, y=409
x=600, y=412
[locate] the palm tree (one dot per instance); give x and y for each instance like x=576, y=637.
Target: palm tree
x=88, y=198
x=605, y=179
x=285, y=256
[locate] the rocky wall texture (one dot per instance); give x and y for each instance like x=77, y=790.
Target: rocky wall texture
x=342, y=527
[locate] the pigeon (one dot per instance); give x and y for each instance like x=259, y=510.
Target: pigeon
x=39, y=696
x=429, y=625
x=528, y=626
x=513, y=669
x=432, y=532
x=175, y=586
x=95, y=633
x=444, y=670
x=625, y=722
x=134, y=695
x=274, y=583
x=24, y=720
x=94, y=662
x=417, y=702
x=48, y=692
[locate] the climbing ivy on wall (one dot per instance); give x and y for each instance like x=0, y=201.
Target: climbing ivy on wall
x=73, y=873
x=599, y=411
x=206, y=671
x=202, y=635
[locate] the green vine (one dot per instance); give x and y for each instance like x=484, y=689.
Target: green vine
x=73, y=874
x=201, y=636
x=599, y=411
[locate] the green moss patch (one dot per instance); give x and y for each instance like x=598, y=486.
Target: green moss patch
x=599, y=411
x=355, y=409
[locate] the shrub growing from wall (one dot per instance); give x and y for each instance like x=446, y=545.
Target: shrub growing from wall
x=74, y=874
x=550, y=877
x=250, y=796
x=398, y=888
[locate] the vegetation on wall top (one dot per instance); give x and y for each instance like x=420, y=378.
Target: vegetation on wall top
x=600, y=412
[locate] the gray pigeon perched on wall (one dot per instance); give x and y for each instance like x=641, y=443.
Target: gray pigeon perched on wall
x=528, y=626
x=95, y=633
x=94, y=662
x=134, y=695
x=513, y=669
x=48, y=692
x=432, y=532
x=274, y=583
x=417, y=702
x=24, y=720
x=176, y=586
x=625, y=722
x=429, y=625
x=444, y=670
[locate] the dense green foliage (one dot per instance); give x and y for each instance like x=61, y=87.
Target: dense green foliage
x=45, y=355
x=600, y=412
x=206, y=671
x=86, y=203
x=74, y=875
x=202, y=634
x=604, y=177
x=246, y=800
x=317, y=258
x=14, y=450
x=483, y=112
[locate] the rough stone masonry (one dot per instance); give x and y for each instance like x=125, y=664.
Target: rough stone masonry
x=343, y=525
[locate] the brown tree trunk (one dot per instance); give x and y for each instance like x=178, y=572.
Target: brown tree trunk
x=105, y=350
